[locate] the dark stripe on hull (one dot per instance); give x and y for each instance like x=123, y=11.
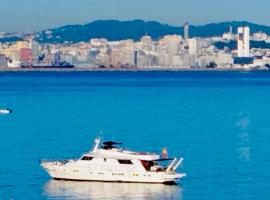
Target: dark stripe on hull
x=79, y=180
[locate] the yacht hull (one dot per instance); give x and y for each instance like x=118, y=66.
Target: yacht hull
x=77, y=180
x=76, y=173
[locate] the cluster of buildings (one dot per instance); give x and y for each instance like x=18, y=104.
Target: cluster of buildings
x=29, y=53
x=171, y=51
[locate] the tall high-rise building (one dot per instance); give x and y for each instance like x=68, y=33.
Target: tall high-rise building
x=243, y=39
x=186, y=31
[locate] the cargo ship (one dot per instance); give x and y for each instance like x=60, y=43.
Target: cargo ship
x=60, y=65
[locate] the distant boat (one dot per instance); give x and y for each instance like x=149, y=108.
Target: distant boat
x=14, y=64
x=5, y=111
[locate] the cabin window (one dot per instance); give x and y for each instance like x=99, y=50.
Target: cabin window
x=125, y=162
x=87, y=158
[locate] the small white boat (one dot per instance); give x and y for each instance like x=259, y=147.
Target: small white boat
x=110, y=163
x=14, y=64
x=5, y=111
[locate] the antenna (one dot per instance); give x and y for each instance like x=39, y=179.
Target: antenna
x=145, y=28
x=101, y=136
x=231, y=30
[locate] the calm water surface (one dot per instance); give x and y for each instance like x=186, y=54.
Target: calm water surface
x=218, y=121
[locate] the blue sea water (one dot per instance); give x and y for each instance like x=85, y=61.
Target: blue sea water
x=218, y=121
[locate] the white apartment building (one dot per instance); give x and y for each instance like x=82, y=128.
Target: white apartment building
x=243, y=39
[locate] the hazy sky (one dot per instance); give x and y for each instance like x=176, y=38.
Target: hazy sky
x=26, y=15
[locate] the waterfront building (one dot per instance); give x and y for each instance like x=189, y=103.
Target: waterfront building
x=35, y=50
x=224, y=59
x=193, y=46
x=98, y=42
x=228, y=35
x=14, y=55
x=3, y=60
x=172, y=43
x=115, y=56
x=243, y=41
x=261, y=60
x=127, y=49
x=177, y=62
x=82, y=54
x=147, y=43
x=260, y=36
x=21, y=45
x=92, y=56
x=146, y=59
x=103, y=57
x=163, y=59
x=26, y=55
x=188, y=60
x=243, y=47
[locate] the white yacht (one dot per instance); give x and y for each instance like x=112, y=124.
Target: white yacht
x=110, y=163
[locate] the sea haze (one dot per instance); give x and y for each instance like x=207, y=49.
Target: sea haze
x=218, y=121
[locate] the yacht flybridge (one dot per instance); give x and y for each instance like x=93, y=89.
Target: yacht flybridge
x=109, y=162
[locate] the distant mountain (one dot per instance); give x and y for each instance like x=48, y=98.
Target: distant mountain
x=10, y=39
x=110, y=29
x=118, y=30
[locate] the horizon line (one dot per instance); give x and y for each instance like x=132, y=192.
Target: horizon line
x=131, y=20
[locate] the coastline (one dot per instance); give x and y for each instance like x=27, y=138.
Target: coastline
x=89, y=69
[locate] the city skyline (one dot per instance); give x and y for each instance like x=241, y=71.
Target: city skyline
x=31, y=15
x=227, y=51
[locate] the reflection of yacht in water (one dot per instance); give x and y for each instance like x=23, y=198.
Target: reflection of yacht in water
x=99, y=190
x=114, y=164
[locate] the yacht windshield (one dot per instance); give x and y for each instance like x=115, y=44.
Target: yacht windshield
x=87, y=158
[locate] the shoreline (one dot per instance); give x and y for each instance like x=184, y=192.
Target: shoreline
x=84, y=69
